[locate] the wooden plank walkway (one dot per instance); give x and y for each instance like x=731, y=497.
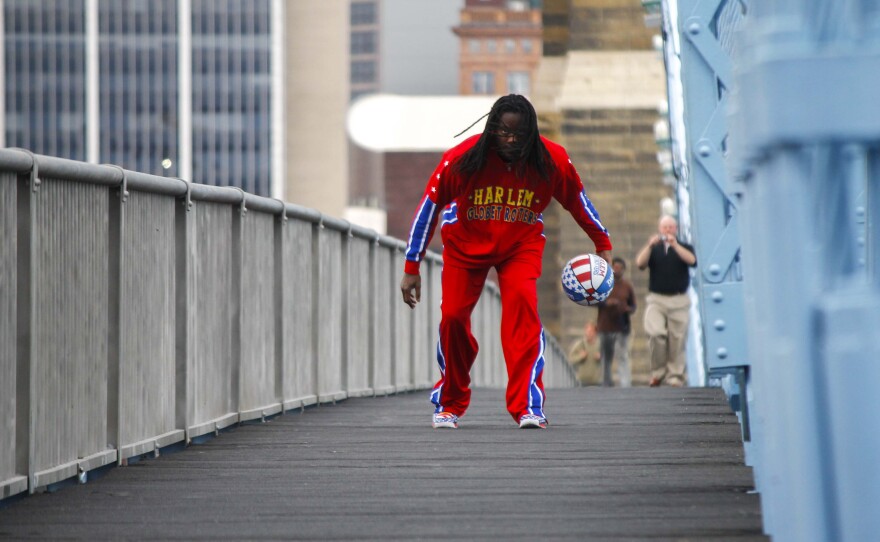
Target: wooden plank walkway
x=615, y=464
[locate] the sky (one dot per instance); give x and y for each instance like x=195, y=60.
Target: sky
x=419, y=50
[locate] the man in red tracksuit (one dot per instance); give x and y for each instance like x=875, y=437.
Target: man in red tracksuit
x=489, y=192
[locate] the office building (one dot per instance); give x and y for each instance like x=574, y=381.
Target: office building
x=365, y=44
x=181, y=88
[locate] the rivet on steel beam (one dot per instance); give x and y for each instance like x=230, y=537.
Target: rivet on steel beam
x=705, y=151
x=722, y=353
x=720, y=324
x=715, y=269
x=717, y=296
x=694, y=28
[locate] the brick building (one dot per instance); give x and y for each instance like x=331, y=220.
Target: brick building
x=500, y=47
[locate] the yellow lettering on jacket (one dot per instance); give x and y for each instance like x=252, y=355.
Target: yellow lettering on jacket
x=494, y=195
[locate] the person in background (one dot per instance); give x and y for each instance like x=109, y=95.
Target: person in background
x=667, y=305
x=613, y=324
x=585, y=356
x=488, y=193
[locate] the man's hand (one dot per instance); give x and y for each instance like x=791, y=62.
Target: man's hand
x=409, y=283
x=645, y=253
x=688, y=257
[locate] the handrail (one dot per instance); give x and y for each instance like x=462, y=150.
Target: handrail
x=205, y=317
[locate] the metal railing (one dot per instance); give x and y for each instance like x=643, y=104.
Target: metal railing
x=138, y=312
x=783, y=146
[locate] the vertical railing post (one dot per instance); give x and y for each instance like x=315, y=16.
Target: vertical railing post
x=236, y=278
x=345, y=262
x=280, y=291
x=116, y=299
x=184, y=225
x=374, y=313
x=392, y=317
x=316, y=313
x=25, y=431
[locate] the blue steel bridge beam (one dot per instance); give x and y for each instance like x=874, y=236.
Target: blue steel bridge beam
x=804, y=139
x=706, y=72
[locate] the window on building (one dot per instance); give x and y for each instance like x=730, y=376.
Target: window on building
x=363, y=43
x=474, y=46
x=491, y=46
x=526, y=46
x=363, y=71
x=509, y=46
x=518, y=82
x=483, y=83
x=363, y=13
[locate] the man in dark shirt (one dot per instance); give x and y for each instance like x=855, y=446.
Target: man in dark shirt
x=667, y=305
x=613, y=324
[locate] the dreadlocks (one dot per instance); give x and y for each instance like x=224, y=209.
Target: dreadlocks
x=532, y=152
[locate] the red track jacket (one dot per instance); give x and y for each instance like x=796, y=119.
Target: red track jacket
x=487, y=221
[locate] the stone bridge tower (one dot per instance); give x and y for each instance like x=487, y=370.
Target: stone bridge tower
x=598, y=89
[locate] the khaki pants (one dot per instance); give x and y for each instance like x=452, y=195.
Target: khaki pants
x=666, y=323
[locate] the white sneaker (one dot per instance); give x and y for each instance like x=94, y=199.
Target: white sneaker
x=445, y=420
x=530, y=421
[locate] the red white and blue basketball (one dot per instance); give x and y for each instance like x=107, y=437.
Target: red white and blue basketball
x=587, y=279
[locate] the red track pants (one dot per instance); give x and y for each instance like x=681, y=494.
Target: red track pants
x=522, y=336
